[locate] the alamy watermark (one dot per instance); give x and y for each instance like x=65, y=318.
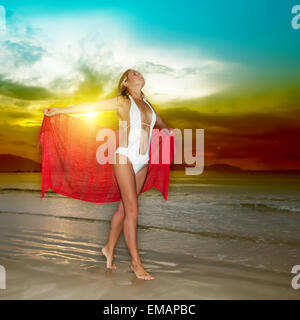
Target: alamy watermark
x=296, y=278
x=296, y=18
x=183, y=148
x=2, y=18
x=2, y=277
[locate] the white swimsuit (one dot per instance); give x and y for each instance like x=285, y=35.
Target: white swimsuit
x=137, y=159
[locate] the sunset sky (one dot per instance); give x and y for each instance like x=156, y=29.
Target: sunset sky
x=228, y=67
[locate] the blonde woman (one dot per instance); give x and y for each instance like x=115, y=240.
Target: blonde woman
x=132, y=159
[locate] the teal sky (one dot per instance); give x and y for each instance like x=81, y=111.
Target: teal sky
x=255, y=32
x=230, y=67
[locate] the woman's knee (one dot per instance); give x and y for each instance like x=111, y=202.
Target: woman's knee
x=120, y=207
x=131, y=210
x=120, y=212
x=132, y=216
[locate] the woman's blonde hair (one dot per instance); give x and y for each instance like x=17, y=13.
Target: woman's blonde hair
x=122, y=90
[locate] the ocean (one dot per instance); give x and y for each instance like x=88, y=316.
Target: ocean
x=215, y=231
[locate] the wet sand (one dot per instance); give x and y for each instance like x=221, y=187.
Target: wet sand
x=221, y=239
x=30, y=278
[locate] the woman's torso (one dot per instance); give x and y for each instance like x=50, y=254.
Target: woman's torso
x=137, y=119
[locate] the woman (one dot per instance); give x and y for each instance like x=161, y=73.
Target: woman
x=132, y=158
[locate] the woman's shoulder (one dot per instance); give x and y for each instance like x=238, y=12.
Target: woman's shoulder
x=123, y=104
x=122, y=101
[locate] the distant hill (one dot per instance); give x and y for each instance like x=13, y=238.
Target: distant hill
x=226, y=168
x=218, y=167
x=12, y=163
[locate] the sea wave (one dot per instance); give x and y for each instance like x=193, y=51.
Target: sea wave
x=270, y=208
x=206, y=234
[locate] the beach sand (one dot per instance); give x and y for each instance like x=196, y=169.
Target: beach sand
x=30, y=278
x=225, y=239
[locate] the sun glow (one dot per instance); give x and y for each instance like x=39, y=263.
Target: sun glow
x=91, y=115
x=88, y=115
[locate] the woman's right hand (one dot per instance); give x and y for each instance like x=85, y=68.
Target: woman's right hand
x=51, y=112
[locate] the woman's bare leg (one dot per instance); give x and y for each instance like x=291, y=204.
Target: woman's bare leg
x=117, y=222
x=127, y=184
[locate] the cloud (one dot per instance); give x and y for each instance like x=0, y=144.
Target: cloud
x=92, y=85
x=23, y=91
x=67, y=58
x=58, y=51
x=23, y=52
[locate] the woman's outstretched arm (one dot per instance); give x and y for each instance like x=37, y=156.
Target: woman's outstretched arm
x=101, y=105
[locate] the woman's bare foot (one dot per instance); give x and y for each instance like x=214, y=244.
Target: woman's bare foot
x=140, y=272
x=109, y=258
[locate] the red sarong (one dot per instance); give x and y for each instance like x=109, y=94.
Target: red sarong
x=70, y=166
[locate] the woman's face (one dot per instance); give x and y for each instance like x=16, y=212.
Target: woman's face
x=135, y=78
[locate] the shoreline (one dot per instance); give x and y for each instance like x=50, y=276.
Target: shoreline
x=32, y=278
